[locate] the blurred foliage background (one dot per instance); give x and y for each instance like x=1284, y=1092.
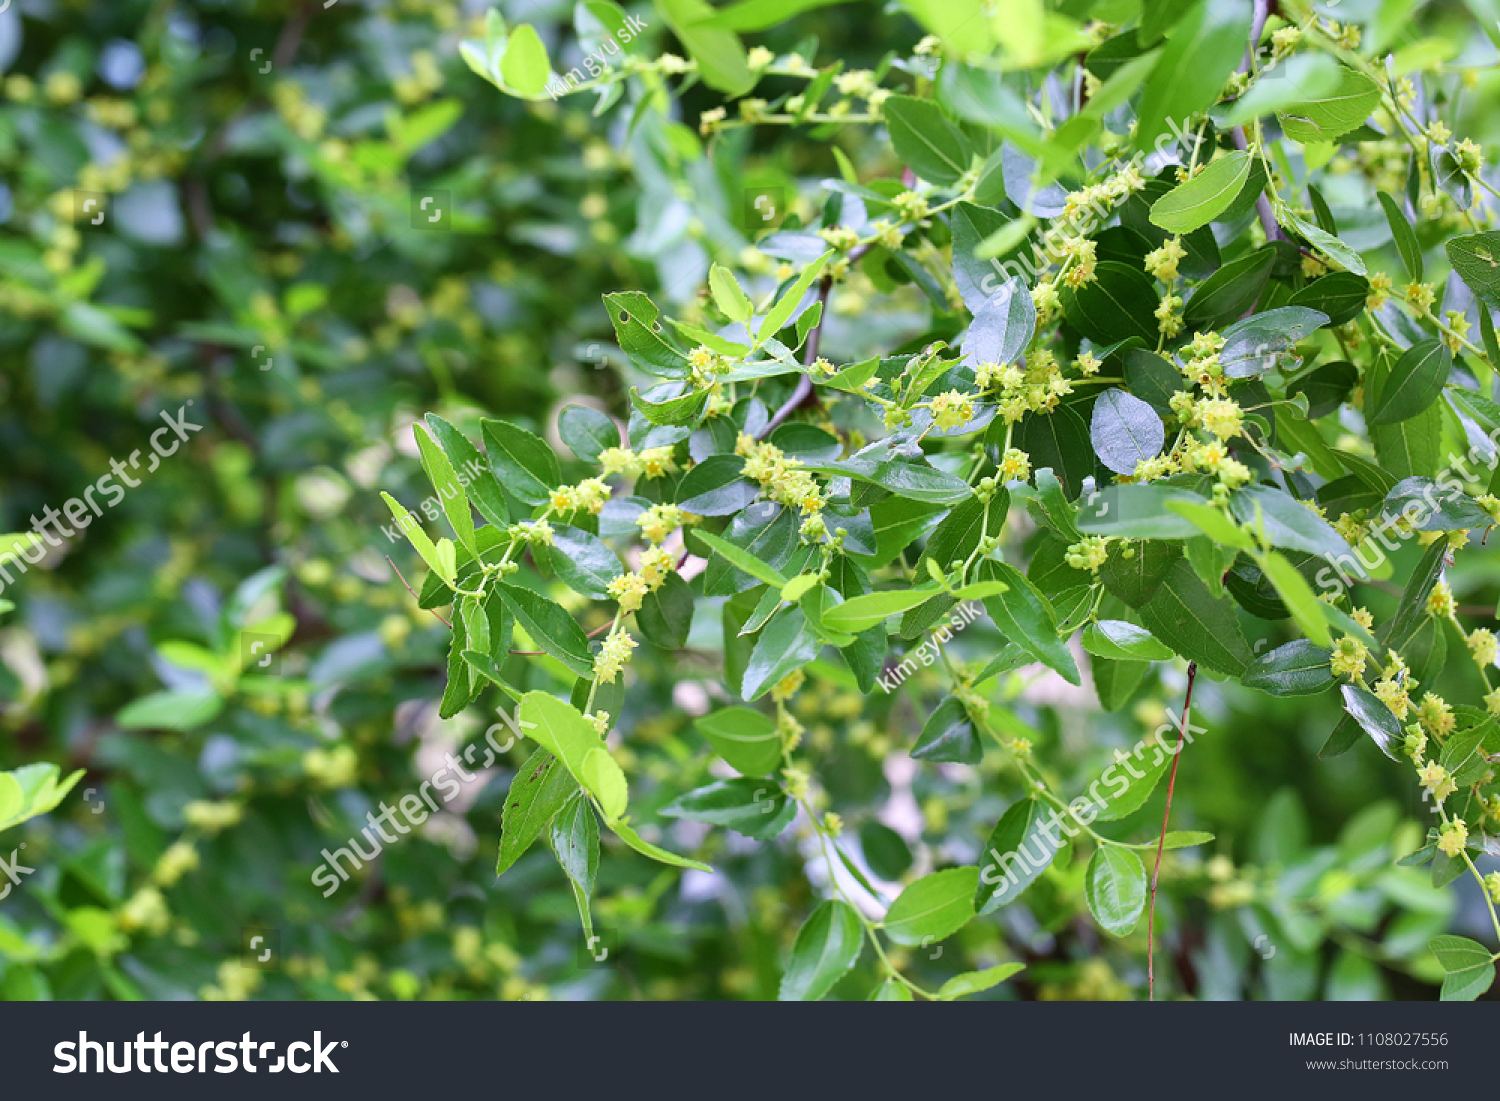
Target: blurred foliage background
x=263, y=254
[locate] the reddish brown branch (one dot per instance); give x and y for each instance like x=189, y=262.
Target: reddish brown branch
x=1187, y=708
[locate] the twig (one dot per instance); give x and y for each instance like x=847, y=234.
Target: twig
x=414, y=596
x=1187, y=708
x=804, y=387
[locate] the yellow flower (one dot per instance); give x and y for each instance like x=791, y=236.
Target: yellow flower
x=952, y=409
x=613, y=655
x=1436, y=716
x=619, y=460
x=1349, y=656
x=1440, y=601
x=1454, y=834
x=1483, y=646
x=1435, y=778
x=657, y=461
x=628, y=590
x=1161, y=263
x=1015, y=465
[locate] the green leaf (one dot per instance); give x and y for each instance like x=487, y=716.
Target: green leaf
x=1130, y=782
x=1185, y=839
x=670, y=403
x=1119, y=302
x=1299, y=668
x=1213, y=523
x=1298, y=597
x=1227, y=294
x=716, y=487
x=583, y=561
x=1374, y=718
x=1287, y=522
x=743, y=737
x=934, y=907
x=1125, y=431
x=1122, y=641
x=539, y=791
x=1018, y=850
x=1115, y=682
x=665, y=616
x=1255, y=345
x=1405, y=237
x=884, y=850
x=1449, y=175
x=523, y=462
x=1059, y=441
x=32, y=790
x=449, y=491
x=926, y=140
x=407, y=524
x=743, y=560
x=655, y=852
x=586, y=431
x=550, y=627
x=634, y=318
x=1334, y=247
x=1204, y=197
x=1331, y=116
x=575, y=842
x=758, y=15
x=1202, y=51
x=975, y=982
x=827, y=945
x=175, y=709
x=779, y=314
x=1341, y=295
x=756, y=808
x=1429, y=506
x=1138, y=512
x=948, y=735
x=482, y=488
x=1195, y=623
x=720, y=57
x=1468, y=967
x=524, y=65
x=1115, y=887
x=1411, y=448
x=563, y=731
x=785, y=645
x=1410, y=387
x=728, y=294
x=1476, y=258
x=1024, y=616
x=861, y=612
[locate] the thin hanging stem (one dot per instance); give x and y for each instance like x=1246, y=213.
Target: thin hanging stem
x=1187, y=708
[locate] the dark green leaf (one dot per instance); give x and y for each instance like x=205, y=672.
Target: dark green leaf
x=827, y=945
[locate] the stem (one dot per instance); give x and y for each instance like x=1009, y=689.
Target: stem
x=1187, y=707
x=415, y=597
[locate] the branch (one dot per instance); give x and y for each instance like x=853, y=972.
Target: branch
x=1187, y=708
x=804, y=387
